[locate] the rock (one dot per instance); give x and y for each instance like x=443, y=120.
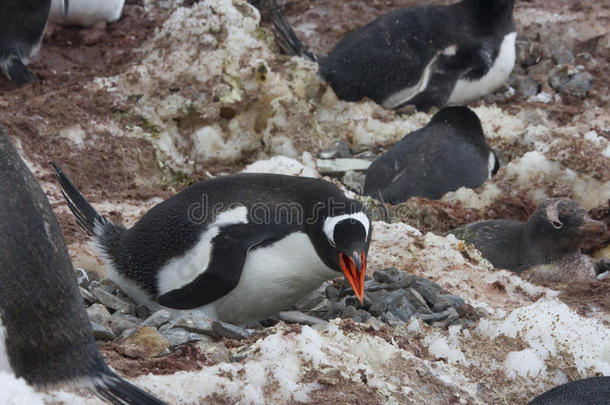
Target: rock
x=119, y=323
x=355, y=302
x=427, y=289
x=403, y=309
x=449, y=315
x=331, y=292
x=362, y=316
x=354, y=181
x=82, y=278
x=578, y=85
x=158, y=319
x=387, y=276
x=114, y=302
x=312, y=299
x=339, y=150
x=444, y=301
x=299, y=317
x=415, y=298
x=178, y=336
x=349, y=312
x=526, y=86
x=142, y=311
x=226, y=330
x=99, y=314
x=562, y=56
x=94, y=284
x=144, y=344
x=193, y=322
x=87, y=296
x=327, y=166
x=558, y=77
x=335, y=309
x=102, y=333
x=391, y=319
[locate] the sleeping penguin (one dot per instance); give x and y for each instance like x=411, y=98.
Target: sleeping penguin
x=22, y=24
x=545, y=248
x=236, y=248
x=86, y=12
x=588, y=391
x=448, y=153
x=45, y=334
x=428, y=55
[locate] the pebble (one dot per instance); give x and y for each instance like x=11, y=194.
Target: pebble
x=87, y=296
x=102, y=333
x=193, y=322
x=142, y=311
x=578, y=85
x=158, y=319
x=99, y=314
x=226, y=330
x=114, y=302
x=144, y=344
x=339, y=150
x=120, y=322
x=327, y=166
x=444, y=301
x=178, y=336
x=299, y=317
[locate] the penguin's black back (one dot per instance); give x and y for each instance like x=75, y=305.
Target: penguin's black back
x=391, y=52
x=499, y=240
x=588, y=391
x=174, y=226
x=48, y=334
x=448, y=153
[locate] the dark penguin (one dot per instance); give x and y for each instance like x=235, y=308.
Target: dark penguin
x=588, y=391
x=448, y=153
x=22, y=24
x=548, y=244
x=237, y=247
x=429, y=55
x=45, y=334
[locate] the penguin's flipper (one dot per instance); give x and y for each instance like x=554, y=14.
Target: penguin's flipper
x=285, y=36
x=66, y=6
x=118, y=391
x=229, y=252
x=14, y=68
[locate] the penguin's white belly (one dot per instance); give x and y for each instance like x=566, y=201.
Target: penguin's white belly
x=466, y=91
x=86, y=12
x=273, y=279
x=4, y=363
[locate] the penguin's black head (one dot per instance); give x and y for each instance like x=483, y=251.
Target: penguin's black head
x=561, y=226
x=458, y=117
x=348, y=237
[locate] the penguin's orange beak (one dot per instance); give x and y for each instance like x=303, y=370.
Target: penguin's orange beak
x=354, y=269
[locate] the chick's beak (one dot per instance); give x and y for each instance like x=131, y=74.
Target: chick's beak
x=354, y=269
x=592, y=228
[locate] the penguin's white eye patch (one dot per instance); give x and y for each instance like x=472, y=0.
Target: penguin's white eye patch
x=331, y=222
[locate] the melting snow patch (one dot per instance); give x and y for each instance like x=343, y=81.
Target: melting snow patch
x=283, y=165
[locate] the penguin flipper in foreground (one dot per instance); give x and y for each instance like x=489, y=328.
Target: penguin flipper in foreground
x=118, y=391
x=11, y=63
x=231, y=248
x=287, y=39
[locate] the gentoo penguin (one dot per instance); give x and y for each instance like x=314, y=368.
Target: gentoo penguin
x=428, y=55
x=22, y=24
x=86, y=12
x=236, y=248
x=448, y=153
x=588, y=391
x=548, y=244
x=45, y=334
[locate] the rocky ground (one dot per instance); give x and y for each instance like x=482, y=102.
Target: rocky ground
x=168, y=96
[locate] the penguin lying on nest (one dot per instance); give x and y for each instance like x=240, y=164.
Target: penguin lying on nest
x=237, y=248
x=22, y=25
x=545, y=248
x=428, y=55
x=86, y=12
x=45, y=334
x=448, y=153
x=588, y=391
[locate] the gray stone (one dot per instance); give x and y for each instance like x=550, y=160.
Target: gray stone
x=87, y=296
x=327, y=166
x=444, y=301
x=178, y=336
x=338, y=150
x=119, y=323
x=402, y=309
x=349, y=312
x=114, y=302
x=158, y=319
x=81, y=277
x=335, y=309
x=391, y=319
x=193, y=322
x=94, y=284
x=142, y=311
x=427, y=289
x=578, y=85
x=558, y=77
x=362, y=316
x=311, y=300
x=562, y=56
x=387, y=276
x=355, y=302
x=354, y=181
x=226, y=330
x=102, y=333
x=526, y=86
x=415, y=298
x=299, y=317
x=448, y=315
x=332, y=292
x=99, y=314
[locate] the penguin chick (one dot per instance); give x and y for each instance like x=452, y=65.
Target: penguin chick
x=425, y=55
x=236, y=248
x=448, y=153
x=22, y=25
x=45, y=335
x=86, y=12
x=548, y=244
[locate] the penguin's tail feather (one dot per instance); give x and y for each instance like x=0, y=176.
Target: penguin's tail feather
x=13, y=66
x=285, y=36
x=112, y=388
x=87, y=217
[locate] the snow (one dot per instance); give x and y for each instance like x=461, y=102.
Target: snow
x=525, y=363
x=283, y=165
x=15, y=391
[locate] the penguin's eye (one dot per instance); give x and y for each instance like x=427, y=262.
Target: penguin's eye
x=557, y=224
